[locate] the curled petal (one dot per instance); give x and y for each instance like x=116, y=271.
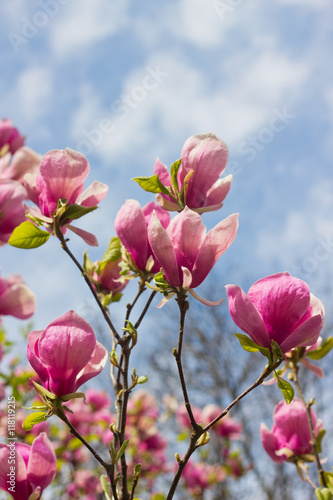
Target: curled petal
x=95, y=365
x=95, y=193
x=204, y=301
x=87, y=237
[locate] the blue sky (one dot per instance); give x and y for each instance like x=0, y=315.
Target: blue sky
x=125, y=82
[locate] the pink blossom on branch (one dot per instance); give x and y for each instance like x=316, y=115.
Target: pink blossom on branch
x=206, y=156
x=66, y=354
x=186, y=253
x=280, y=308
x=22, y=162
x=16, y=299
x=290, y=434
x=10, y=136
x=227, y=427
x=12, y=212
x=35, y=468
x=131, y=225
x=61, y=177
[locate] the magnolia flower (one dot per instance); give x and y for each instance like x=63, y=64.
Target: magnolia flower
x=66, y=354
x=22, y=162
x=131, y=227
x=280, y=308
x=290, y=434
x=10, y=136
x=12, y=212
x=226, y=427
x=16, y=299
x=185, y=252
x=109, y=277
x=206, y=156
x=61, y=177
x=25, y=471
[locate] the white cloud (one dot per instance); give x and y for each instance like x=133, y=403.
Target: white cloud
x=33, y=91
x=83, y=22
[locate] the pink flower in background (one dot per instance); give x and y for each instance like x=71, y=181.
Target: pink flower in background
x=185, y=252
x=35, y=468
x=12, y=212
x=290, y=434
x=131, y=227
x=227, y=427
x=280, y=308
x=15, y=166
x=16, y=299
x=66, y=354
x=207, y=156
x=200, y=476
x=61, y=176
x=10, y=136
x=184, y=420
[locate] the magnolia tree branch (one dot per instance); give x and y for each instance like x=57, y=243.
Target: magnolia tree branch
x=87, y=280
x=108, y=467
x=295, y=369
x=199, y=431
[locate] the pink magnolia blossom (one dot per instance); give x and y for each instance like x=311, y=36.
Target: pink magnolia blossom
x=290, y=434
x=16, y=299
x=66, y=354
x=206, y=155
x=280, y=308
x=22, y=162
x=131, y=227
x=109, y=277
x=34, y=468
x=185, y=252
x=200, y=476
x=12, y=212
x=61, y=176
x=10, y=136
x=184, y=420
x=227, y=427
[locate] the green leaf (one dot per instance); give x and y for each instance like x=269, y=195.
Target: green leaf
x=174, y=171
x=27, y=235
x=73, y=395
x=322, y=350
x=122, y=449
x=75, y=211
x=152, y=184
x=323, y=494
x=329, y=479
x=250, y=346
x=286, y=389
x=42, y=391
x=276, y=350
x=112, y=253
x=105, y=485
x=33, y=419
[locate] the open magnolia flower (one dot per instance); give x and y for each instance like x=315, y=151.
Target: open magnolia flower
x=66, y=354
x=131, y=225
x=10, y=137
x=184, y=250
x=290, y=434
x=12, y=212
x=280, y=308
x=25, y=471
x=203, y=160
x=61, y=177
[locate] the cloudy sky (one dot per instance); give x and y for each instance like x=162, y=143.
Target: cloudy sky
x=126, y=82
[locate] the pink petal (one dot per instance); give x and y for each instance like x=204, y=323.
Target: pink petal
x=304, y=335
x=162, y=215
x=187, y=278
x=94, y=367
x=93, y=194
x=270, y=444
x=29, y=182
x=21, y=485
x=218, y=192
x=65, y=348
x=18, y=301
x=42, y=464
x=187, y=233
x=205, y=301
x=87, y=237
x=131, y=228
x=216, y=242
x=61, y=176
x=24, y=161
x=207, y=155
x=163, y=249
x=246, y=316
x=319, y=372
x=281, y=300
x=162, y=172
